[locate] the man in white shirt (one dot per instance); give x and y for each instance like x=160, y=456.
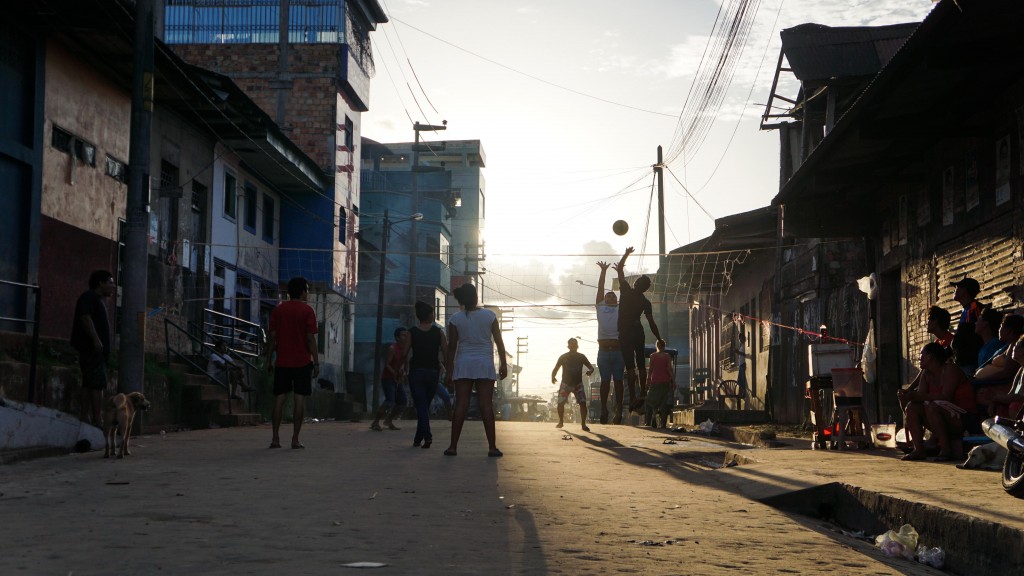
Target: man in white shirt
x=609, y=355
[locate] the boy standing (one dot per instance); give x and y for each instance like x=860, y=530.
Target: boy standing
x=572, y=363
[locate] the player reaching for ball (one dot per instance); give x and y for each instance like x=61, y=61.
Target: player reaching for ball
x=632, y=305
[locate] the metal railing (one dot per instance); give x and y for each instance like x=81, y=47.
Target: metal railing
x=34, y=354
x=201, y=343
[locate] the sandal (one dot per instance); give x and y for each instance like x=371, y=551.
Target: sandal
x=426, y=444
x=450, y=452
x=298, y=447
x=275, y=444
x=913, y=456
x=495, y=453
x=376, y=427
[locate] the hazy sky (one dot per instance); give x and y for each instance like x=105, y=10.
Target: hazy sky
x=570, y=100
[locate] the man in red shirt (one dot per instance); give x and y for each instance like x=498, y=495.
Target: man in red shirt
x=293, y=331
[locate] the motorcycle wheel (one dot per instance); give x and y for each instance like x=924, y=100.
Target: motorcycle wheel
x=1013, y=475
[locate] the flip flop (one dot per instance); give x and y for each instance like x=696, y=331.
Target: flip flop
x=298, y=447
x=586, y=428
x=495, y=453
x=275, y=444
x=450, y=452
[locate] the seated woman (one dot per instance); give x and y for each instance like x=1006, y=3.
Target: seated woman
x=995, y=374
x=943, y=402
x=1010, y=403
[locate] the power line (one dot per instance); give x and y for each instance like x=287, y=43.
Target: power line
x=531, y=76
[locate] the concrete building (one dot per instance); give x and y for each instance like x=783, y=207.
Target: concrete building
x=307, y=66
x=417, y=259
x=220, y=170
x=465, y=160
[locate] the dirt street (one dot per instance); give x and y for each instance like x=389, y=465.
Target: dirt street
x=616, y=501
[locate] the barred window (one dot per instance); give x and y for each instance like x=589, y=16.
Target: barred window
x=252, y=21
x=117, y=170
x=69, y=143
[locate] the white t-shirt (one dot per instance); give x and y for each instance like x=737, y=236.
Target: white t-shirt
x=474, y=357
x=607, y=322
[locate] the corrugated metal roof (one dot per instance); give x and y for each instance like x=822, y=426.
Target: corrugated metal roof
x=819, y=52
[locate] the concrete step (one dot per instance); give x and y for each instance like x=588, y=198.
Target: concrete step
x=212, y=392
x=695, y=415
x=196, y=379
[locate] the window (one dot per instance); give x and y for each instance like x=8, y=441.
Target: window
x=251, y=21
x=342, y=224
x=67, y=142
x=445, y=250
x=268, y=218
x=198, y=196
x=243, y=298
x=117, y=170
x=349, y=137
x=230, y=195
x=250, y=208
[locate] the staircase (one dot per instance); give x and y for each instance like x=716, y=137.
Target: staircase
x=205, y=401
x=207, y=404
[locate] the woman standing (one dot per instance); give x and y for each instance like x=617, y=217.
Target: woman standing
x=428, y=346
x=472, y=334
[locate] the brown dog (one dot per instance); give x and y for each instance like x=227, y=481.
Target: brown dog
x=118, y=415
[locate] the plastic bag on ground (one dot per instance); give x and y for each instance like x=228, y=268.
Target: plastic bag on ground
x=934, y=557
x=899, y=543
x=706, y=426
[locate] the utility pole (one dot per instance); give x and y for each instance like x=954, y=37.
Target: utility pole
x=659, y=170
x=414, y=241
x=522, y=347
x=133, y=281
x=377, y=343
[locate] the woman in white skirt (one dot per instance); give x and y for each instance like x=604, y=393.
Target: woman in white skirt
x=472, y=334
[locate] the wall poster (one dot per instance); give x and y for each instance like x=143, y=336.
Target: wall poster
x=1003, y=170
x=947, y=196
x=971, y=180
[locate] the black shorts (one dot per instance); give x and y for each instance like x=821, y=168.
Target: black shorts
x=94, y=371
x=298, y=380
x=631, y=342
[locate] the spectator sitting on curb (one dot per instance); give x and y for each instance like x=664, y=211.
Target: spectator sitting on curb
x=966, y=342
x=943, y=402
x=938, y=326
x=1010, y=403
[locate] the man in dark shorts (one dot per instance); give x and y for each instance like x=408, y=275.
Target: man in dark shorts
x=90, y=335
x=572, y=363
x=632, y=305
x=293, y=331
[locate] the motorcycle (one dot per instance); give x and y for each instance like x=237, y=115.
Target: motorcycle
x=1009, y=433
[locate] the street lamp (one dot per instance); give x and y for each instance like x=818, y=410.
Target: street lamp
x=384, y=234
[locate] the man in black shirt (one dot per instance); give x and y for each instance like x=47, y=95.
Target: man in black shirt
x=90, y=335
x=632, y=305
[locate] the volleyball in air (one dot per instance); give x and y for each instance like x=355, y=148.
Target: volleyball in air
x=620, y=227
